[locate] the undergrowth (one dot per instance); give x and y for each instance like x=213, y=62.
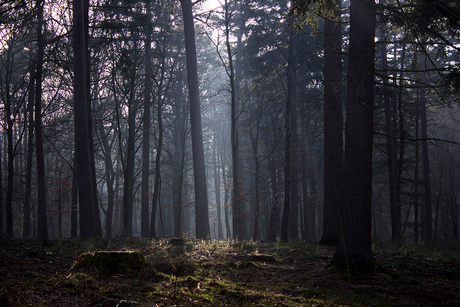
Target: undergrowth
x=185, y=272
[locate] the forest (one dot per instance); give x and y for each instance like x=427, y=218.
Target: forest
x=324, y=121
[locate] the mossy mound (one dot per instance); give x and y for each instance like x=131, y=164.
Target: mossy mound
x=111, y=262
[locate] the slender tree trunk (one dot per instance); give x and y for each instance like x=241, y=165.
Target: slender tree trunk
x=156, y=186
x=145, y=227
x=256, y=235
x=10, y=161
x=97, y=218
x=293, y=231
x=306, y=235
x=42, y=222
x=287, y=154
x=179, y=163
x=391, y=146
x=416, y=177
x=313, y=197
x=354, y=248
x=109, y=178
x=1, y=188
x=128, y=191
x=201, y=194
x=226, y=194
x=402, y=134
x=220, y=234
x=333, y=127
x=74, y=203
x=427, y=218
x=82, y=137
x=30, y=150
x=274, y=203
x=236, y=202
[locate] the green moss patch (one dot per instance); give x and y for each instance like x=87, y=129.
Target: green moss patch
x=111, y=262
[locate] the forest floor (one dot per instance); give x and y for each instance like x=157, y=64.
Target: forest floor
x=224, y=273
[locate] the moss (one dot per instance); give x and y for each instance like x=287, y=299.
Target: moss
x=111, y=262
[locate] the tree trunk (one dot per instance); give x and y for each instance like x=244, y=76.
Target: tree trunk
x=1, y=190
x=156, y=185
x=354, y=248
x=179, y=162
x=333, y=127
x=287, y=154
x=313, y=197
x=201, y=194
x=128, y=190
x=10, y=155
x=30, y=150
x=74, y=203
x=145, y=227
x=416, y=177
x=42, y=222
x=109, y=178
x=427, y=231
x=391, y=146
x=293, y=231
x=82, y=138
x=220, y=234
x=236, y=201
x=226, y=194
x=97, y=218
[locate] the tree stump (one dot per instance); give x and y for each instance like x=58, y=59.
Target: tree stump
x=111, y=262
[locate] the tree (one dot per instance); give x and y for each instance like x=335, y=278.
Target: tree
x=354, y=247
x=395, y=206
x=30, y=148
x=82, y=139
x=201, y=196
x=146, y=127
x=42, y=228
x=427, y=220
x=333, y=125
x=128, y=187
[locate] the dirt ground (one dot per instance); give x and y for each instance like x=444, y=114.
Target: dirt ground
x=222, y=273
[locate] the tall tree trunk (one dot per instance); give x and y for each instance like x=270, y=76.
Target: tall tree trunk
x=354, y=248
x=313, y=197
x=256, y=235
x=179, y=162
x=395, y=208
x=30, y=150
x=236, y=201
x=306, y=235
x=128, y=191
x=293, y=231
x=201, y=193
x=255, y=119
x=42, y=222
x=226, y=194
x=1, y=189
x=109, y=177
x=97, y=218
x=427, y=231
x=220, y=234
x=10, y=154
x=274, y=203
x=287, y=152
x=156, y=185
x=82, y=138
x=333, y=127
x=416, y=177
x=145, y=227
x=74, y=201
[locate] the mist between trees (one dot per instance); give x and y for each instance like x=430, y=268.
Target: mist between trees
x=315, y=120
